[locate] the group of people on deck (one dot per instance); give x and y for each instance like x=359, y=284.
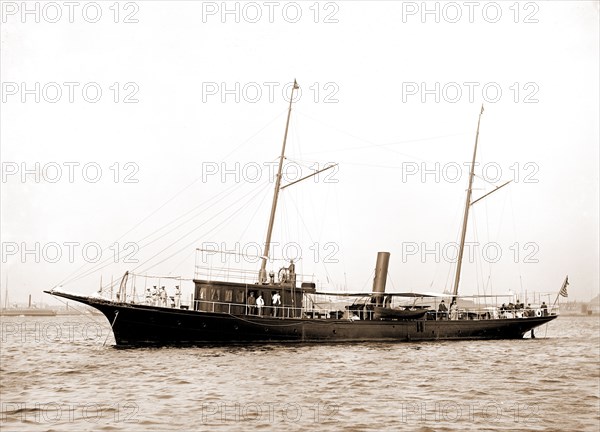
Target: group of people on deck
x=443, y=310
x=159, y=297
x=256, y=305
x=518, y=309
x=511, y=310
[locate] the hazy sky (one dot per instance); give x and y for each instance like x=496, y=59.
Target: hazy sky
x=112, y=112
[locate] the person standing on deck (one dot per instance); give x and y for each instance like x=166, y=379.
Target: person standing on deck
x=251, y=303
x=292, y=270
x=163, y=297
x=453, y=310
x=177, y=297
x=276, y=302
x=154, y=296
x=259, y=304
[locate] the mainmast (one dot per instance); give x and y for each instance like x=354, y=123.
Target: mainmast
x=466, y=214
x=262, y=274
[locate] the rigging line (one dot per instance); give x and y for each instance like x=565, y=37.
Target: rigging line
x=98, y=266
x=86, y=315
x=178, y=193
x=341, y=163
x=204, y=204
x=340, y=236
x=324, y=210
x=515, y=233
x=258, y=207
x=478, y=259
x=195, y=240
x=310, y=237
x=146, y=276
x=372, y=144
x=301, y=162
x=112, y=326
x=371, y=277
x=391, y=280
x=255, y=134
x=194, y=251
x=490, y=267
x=488, y=182
x=182, y=261
x=451, y=266
x=259, y=190
x=202, y=224
x=186, y=221
x=284, y=223
x=199, y=226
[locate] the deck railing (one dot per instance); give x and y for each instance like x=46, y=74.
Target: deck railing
x=351, y=312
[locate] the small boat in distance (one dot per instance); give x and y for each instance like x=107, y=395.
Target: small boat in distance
x=226, y=312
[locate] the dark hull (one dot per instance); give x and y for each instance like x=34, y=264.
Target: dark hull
x=148, y=325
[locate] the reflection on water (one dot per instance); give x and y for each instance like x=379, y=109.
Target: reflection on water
x=58, y=374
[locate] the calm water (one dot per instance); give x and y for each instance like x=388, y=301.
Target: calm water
x=57, y=375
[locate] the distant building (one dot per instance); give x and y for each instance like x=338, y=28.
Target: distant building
x=593, y=307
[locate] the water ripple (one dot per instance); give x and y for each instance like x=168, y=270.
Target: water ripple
x=77, y=383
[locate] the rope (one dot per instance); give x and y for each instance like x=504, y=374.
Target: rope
x=112, y=327
x=108, y=260
x=220, y=226
x=82, y=313
x=68, y=280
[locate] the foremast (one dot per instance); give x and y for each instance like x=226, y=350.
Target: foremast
x=262, y=274
x=466, y=213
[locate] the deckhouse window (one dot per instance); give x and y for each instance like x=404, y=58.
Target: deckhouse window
x=239, y=296
x=228, y=295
